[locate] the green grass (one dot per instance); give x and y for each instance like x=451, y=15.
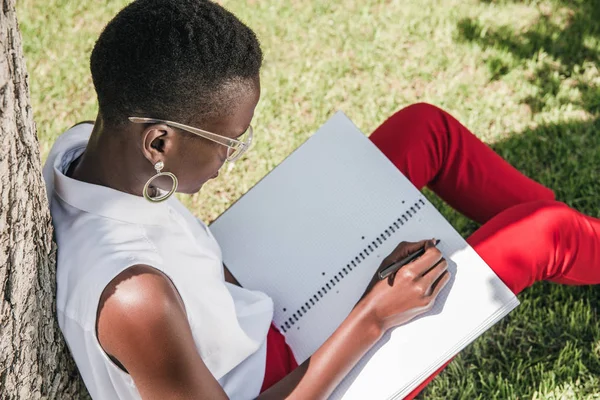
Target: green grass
x=523, y=75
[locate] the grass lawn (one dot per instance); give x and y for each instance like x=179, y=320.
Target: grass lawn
x=523, y=75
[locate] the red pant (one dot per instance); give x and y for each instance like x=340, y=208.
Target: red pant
x=526, y=236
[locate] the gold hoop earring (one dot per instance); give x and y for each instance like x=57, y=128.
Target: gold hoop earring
x=158, y=167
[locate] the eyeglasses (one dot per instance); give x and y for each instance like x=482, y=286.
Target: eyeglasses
x=235, y=147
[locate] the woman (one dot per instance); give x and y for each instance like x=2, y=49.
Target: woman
x=145, y=304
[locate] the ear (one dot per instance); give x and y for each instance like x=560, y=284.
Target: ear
x=158, y=142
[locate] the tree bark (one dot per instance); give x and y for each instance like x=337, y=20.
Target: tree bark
x=34, y=360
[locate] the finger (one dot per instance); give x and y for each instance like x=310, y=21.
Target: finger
x=429, y=243
x=434, y=273
x=440, y=284
x=404, y=249
x=421, y=265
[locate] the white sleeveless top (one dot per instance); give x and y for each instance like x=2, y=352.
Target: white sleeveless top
x=101, y=231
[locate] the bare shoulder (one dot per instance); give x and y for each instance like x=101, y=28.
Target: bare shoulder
x=142, y=325
x=137, y=309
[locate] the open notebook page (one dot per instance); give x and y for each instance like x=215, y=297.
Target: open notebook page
x=312, y=233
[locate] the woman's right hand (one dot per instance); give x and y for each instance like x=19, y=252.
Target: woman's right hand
x=412, y=290
x=385, y=304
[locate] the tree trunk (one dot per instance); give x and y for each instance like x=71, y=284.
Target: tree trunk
x=34, y=360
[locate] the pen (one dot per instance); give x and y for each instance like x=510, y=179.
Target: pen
x=393, y=268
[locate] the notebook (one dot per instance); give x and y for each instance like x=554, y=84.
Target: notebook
x=312, y=233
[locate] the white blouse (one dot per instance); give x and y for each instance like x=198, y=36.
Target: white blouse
x=101, y=231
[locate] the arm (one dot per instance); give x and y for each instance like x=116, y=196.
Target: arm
x=386, y=304
x=317, y=377
x=142, y=324
x=229, y=276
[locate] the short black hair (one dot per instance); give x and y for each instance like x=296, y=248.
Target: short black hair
x=168, y=59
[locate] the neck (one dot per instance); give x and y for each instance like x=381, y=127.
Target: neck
x=112, y=161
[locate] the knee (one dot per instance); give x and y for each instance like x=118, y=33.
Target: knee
x=418, y=113
x=552, y=237
x=527, y=226
x=422, y=109
x=410, y=124
x=549, y=214
x=526, y=242
x=545, y=223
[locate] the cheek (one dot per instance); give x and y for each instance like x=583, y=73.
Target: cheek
x=201, y=165
x=211, y=161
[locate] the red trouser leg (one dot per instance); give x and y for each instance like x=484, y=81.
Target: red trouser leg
x=433, y=149
x=280, y=359
x=526, y=236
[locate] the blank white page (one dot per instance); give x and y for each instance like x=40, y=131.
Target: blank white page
x=312, y=233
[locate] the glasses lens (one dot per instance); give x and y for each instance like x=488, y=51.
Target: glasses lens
x=233, y=153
